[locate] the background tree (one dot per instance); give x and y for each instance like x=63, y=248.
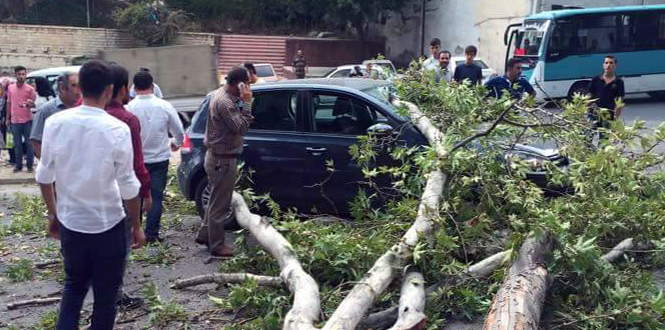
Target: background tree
x=151, y=21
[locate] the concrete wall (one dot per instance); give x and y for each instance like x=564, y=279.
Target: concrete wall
x=178, y=70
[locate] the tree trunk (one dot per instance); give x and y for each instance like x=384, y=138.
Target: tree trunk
x=306, y=303
x=519, y=302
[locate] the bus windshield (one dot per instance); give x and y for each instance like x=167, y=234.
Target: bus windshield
x=530, y=38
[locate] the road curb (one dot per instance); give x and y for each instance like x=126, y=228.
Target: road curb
x=17, y=181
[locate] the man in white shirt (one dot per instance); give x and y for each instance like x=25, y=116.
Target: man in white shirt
x=433, y=61
x=158, y=118
x=89, y=153
x=443, y=72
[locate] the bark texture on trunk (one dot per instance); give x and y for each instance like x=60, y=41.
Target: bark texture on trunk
x=306, y=302
x=519, y=302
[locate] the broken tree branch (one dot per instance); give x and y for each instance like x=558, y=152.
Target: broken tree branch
x=46, y=263
x=411, y=302
x=234, y=278
x=33, y=302
x=618, y=250
x=306, y=302
x=485, y=267
x=519, y=302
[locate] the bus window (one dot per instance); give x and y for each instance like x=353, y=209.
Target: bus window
x=643, y=31
x=529, y=40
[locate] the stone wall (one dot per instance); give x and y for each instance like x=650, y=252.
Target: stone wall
x=40, y=46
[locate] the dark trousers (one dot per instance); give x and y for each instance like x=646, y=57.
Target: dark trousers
x=21, y=133
x=222, y=173
x=4, y=130
x=97, y=260
x=158, y=176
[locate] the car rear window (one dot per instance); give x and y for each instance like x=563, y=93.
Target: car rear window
x=264, y=71
x=199, y=120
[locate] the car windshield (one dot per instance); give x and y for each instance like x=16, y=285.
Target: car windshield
x=479, y=63
x=386, y=67
x=264, y=71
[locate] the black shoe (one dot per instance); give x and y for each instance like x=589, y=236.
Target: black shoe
x=153, y=240
x=128, y=303
x=30, y=170
x=16, y=170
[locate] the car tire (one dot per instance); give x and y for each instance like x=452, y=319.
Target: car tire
x=578, y=87
x=202, y=196
x=658, y=95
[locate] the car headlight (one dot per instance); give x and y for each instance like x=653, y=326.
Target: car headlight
x=536, y=163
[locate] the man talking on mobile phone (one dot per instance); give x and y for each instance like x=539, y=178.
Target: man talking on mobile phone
x=229, y=118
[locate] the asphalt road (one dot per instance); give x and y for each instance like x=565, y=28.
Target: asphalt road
x=644, y=108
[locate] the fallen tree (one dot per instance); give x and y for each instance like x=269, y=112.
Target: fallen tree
x=473, y=156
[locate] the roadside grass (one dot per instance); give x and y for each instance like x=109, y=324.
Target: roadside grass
x=29, y=219
x=19, y=270
x=155, y=254
x=162, y=313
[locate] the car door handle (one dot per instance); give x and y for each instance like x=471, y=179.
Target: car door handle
x=316, y=151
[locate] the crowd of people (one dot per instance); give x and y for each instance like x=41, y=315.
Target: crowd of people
x=104, y=148
x=605, y=89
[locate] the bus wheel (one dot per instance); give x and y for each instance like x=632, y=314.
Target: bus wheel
x=659, y=95
x=578, y=87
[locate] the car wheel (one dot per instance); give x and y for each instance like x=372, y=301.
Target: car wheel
x=202, y=196
x=578, y=87
x=658, y=95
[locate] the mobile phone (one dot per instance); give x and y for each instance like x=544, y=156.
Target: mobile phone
x=241, y=86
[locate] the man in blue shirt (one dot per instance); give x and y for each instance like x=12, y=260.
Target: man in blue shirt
x=511, y=82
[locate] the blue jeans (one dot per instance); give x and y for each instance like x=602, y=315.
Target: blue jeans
x=97, y=259
x=158, y=176
x=21, y=134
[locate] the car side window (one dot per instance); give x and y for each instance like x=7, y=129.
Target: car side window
x=275, y=111
x=341, y=114
x=341, y=73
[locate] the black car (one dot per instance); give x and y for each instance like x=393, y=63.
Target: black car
x=299, y=125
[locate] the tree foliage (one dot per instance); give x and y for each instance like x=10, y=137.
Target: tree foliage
x=291, y=14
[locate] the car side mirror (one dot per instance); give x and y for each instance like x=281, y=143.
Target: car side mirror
x=380, y=129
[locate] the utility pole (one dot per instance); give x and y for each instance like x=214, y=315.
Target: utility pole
x=87, y=6
x=422, y=30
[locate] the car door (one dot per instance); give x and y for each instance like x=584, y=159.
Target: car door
x=335, y=122
x=275, y=149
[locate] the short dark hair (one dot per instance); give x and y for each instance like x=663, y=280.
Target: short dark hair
x=63, y=79
x=94, y=77
x=250, y=67
x=612, y=58
x=237, y=75
x=511, y=63
x=120, y=78
x=446, y=52
x=471, y=49
x=142, y=80
x=435, y=42
x=19, y=68
x=43, y=87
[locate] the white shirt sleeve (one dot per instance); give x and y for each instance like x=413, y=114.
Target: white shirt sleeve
x=46, y=168
x=132, y=92
x=175, y=126
x=157, y=91
x=124, y=166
